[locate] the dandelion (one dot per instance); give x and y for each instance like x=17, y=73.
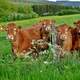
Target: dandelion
x=46, y=62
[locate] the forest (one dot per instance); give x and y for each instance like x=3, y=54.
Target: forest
x=11, y=11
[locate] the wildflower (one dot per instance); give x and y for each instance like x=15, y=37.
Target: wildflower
x=45, y=62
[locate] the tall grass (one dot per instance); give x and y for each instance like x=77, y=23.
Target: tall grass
x=65, y=69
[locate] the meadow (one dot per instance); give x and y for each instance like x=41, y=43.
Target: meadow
x=43, y=68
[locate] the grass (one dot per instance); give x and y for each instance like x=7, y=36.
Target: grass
x=29, y=69
x=68, y=19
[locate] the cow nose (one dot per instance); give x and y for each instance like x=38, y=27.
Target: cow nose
x=63, y=37
x=10, y=37
x=44, y=37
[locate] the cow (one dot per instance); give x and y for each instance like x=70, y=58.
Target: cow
x=45, y=34
x=21, y=38
x=46, y=30
x=47, y=23
x=76, y=33
x=60, y=30
x=45, y=27
x=65, y=37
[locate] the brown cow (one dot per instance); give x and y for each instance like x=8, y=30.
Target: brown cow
x=21, y=38
x=46, y=29
x=47, y=23
x=60, y=30
x=45, y=34
x=65, y=36
x=76, y=33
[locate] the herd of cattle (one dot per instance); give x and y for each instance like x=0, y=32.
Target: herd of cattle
x=34, y=39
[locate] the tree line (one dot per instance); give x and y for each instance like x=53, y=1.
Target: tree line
x=10, y=11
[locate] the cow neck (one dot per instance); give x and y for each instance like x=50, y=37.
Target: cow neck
x=19, y=36
x=78, y=39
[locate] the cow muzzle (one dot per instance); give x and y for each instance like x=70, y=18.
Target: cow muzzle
x=63, y=37
x=11, y=37
x=48, y=28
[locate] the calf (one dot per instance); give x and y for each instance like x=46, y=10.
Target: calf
x=65, y=36
x=76, y=33
x=21, y=38
x=47, y=29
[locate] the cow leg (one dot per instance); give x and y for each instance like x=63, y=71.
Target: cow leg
x=14, y=56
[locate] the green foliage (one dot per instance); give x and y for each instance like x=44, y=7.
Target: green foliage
x=11, y=12
x=68, y=12
x=18, y=16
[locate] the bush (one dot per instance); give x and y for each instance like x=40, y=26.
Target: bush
x=11, y=12
x=18, y=16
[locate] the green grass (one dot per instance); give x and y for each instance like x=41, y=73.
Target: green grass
x=29, y=69
x=69, y=19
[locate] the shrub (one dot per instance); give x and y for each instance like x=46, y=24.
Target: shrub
x=18, y=16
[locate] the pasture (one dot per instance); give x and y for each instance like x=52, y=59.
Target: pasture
x=43, y=68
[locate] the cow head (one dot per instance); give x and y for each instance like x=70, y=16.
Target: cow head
x=44, y=33
x=47, y=24
x=77, y=26
x=12, y=30
x=64, y=32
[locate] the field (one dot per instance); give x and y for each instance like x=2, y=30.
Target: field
x=44, y=67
